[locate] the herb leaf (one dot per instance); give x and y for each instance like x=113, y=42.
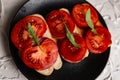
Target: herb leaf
x=33, y=34
x=89, y=21
x=71, y=37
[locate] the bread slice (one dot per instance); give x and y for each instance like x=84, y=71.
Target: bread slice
x=46, y=72
x=78, y=31
x=58, y=63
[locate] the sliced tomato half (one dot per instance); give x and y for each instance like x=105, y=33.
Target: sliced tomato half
x=20, y=35
x=79, y=12
x=71, y=53
x=41, y=57
x=56, y=20
x=98, y=43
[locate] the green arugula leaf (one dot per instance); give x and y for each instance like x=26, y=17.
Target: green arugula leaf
x=89, y=21
x=33, y=34
x=71, y=37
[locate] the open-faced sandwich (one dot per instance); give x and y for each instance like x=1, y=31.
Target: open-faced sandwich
x=37, y=49
x=72, y=46
x=97, y=37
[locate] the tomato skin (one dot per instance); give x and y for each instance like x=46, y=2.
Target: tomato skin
x=79, y=12
x=73, y=54
x=20, y=35
x=56, y=20
x=98, y=43
x=41, y=57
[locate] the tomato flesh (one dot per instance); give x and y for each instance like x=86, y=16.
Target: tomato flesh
x=20, y=33
x=41, y=57
x=71, y=53
x=79, y=12
x=56, y=20
x=98, y=43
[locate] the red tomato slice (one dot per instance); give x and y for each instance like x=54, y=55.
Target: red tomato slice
x=20, y=33
x=73, y=54
x=56, y=21
x=98, y=43
x=79, y=12
x=41, y=57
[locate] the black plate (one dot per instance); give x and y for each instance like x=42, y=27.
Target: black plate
x=88, y=69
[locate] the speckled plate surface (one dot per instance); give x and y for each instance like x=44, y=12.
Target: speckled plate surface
x=88, y=69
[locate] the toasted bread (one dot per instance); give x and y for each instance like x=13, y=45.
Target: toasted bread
x=58, y=63
x=46, y=72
